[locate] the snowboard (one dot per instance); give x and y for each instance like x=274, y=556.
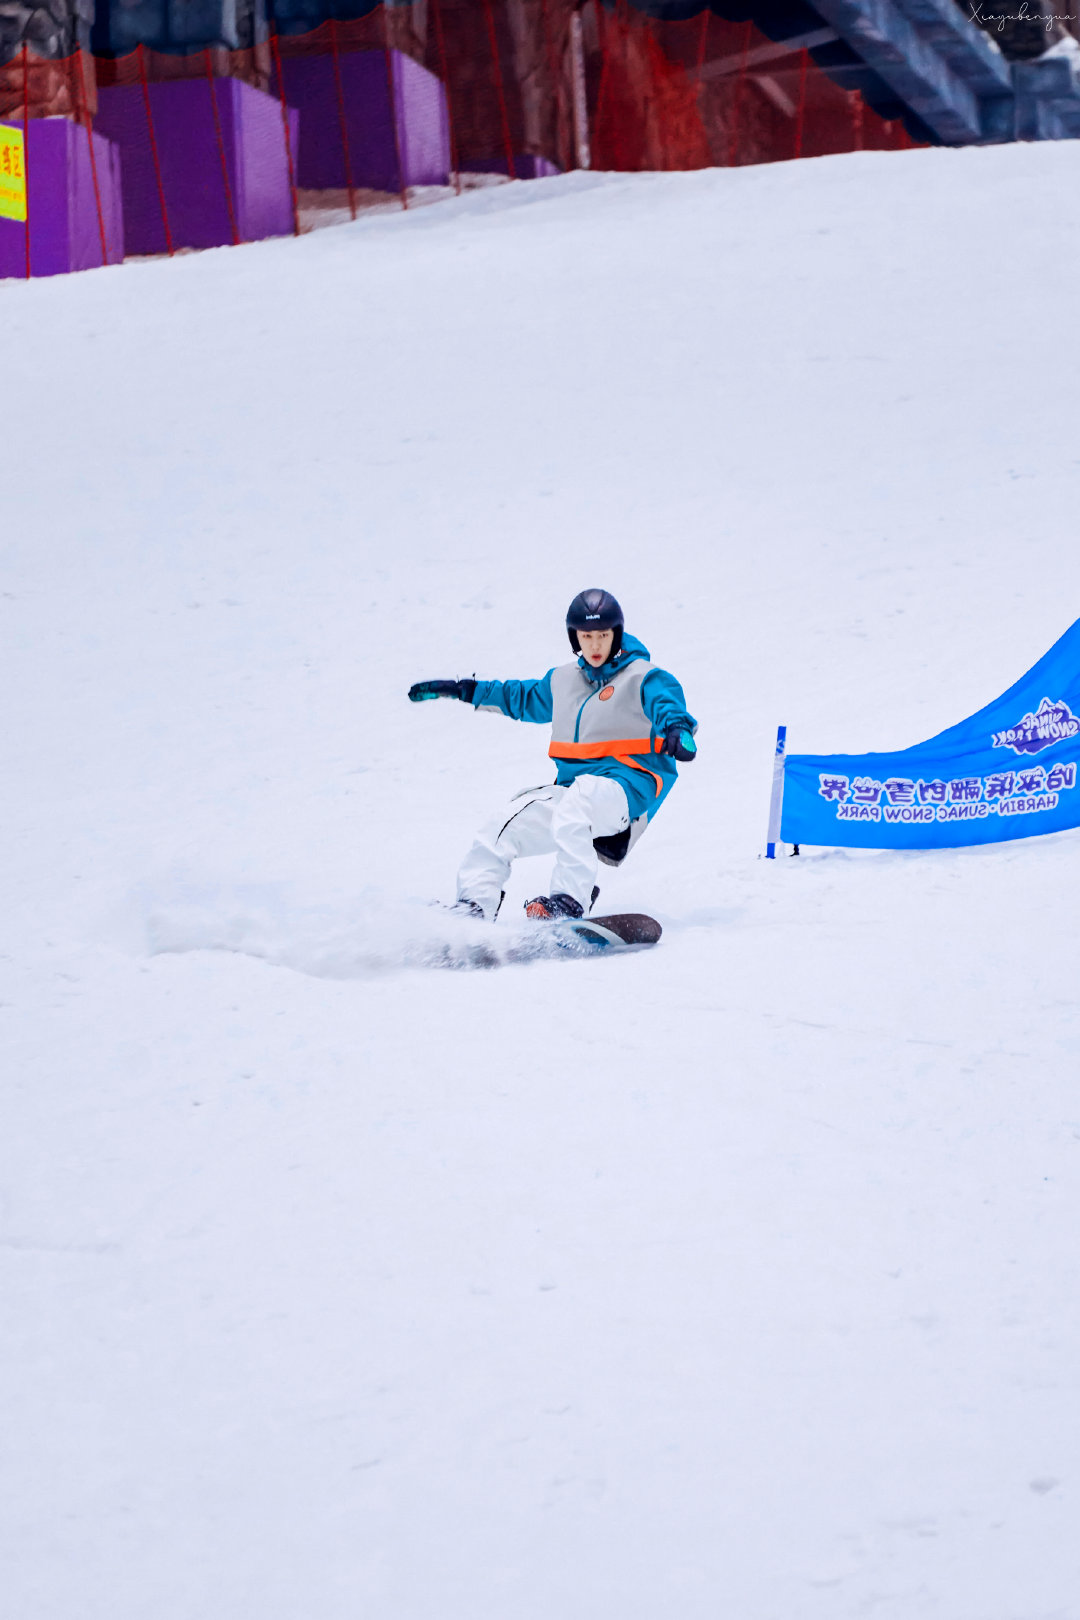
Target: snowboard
x=624, y=931
x=481, y=945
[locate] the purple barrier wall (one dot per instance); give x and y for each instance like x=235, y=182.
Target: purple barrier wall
x=64, y=230
x=196, y=197
x=423, y=125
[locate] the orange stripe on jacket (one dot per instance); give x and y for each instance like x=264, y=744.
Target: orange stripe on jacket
x=615, y=747
x=618, y=748
x=624, y=759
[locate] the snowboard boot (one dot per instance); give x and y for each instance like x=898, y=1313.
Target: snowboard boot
x=467, y=908
x=550, y=907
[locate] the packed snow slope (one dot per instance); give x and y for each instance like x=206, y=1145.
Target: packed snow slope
x=733, y=1281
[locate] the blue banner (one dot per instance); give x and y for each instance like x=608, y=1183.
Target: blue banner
x=1008, y=772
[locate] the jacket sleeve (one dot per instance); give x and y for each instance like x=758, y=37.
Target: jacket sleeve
x=664, y=701
x=521, y=700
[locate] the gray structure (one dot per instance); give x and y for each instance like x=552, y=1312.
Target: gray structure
x=51, y=28
x=179, y=27
x=953, y=71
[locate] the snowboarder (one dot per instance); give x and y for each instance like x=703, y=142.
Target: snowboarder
x=618, y=725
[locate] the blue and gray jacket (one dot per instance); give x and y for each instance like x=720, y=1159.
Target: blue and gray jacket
x=604, y=722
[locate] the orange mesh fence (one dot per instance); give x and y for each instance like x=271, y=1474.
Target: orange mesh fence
x=49, y=89
x=683, y=95
x=224, y=146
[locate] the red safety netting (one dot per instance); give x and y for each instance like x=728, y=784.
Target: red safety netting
x=759, y=101
x=536, y=87
x=49, y=89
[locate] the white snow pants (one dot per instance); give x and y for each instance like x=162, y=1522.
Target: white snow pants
x=563, y=820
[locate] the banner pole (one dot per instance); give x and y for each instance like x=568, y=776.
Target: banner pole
x=26, y=148
x=776, y=801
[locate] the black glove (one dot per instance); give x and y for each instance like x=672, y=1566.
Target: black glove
x=679, y=741
x=422, y=690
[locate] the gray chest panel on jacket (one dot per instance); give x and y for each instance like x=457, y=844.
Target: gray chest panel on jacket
x=613, y=718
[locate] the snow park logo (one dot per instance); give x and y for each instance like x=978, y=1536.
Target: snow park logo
x=964, y=798
x=1051, y=723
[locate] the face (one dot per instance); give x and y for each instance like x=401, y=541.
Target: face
x=596, y=645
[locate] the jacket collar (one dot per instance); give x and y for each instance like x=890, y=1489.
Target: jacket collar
x=631, y=650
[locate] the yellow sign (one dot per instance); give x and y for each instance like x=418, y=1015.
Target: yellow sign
x=12, y=173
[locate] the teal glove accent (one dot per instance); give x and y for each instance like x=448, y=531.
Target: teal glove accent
x=679, y=742
x=424, y=691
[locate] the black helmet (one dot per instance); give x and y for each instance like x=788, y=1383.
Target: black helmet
x=594, y=610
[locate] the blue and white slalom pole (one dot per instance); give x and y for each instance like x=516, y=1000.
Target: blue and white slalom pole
x=776, y=802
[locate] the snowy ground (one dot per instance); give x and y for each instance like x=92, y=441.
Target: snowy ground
x=737, y=1281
